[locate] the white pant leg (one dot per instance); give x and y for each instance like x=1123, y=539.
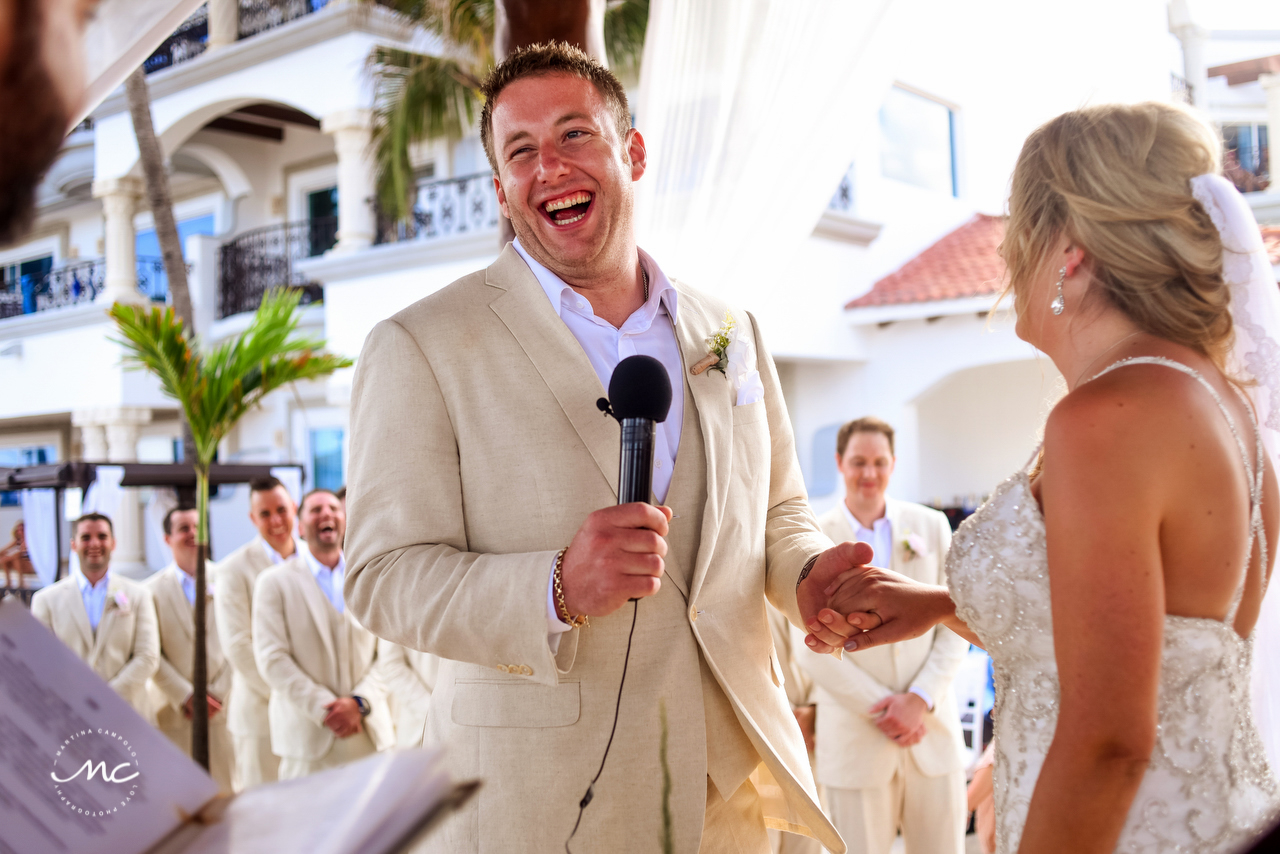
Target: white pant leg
x=867, y=819
x=254, y=761
x=934, y=811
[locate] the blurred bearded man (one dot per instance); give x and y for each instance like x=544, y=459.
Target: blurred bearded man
x=483, y=485
x=42, y=85
x=327, y=703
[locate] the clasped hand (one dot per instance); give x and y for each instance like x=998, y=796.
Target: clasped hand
x=847, y=604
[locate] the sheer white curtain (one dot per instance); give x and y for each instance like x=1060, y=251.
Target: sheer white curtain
x=744, y=109
x=122, y=34
x=40, y=527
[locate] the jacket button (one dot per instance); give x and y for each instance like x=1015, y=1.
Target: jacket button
x=526, y=670
x=503, y=668
x=693, y=613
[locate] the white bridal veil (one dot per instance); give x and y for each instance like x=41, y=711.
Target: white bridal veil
x=1255, y=308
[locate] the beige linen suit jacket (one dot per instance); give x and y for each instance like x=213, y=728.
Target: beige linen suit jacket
x=308, y=667
x=408, y=677
x=233, y=581
x=176, y=619
x=477, y=451
x=125, y=650
x=852, y=753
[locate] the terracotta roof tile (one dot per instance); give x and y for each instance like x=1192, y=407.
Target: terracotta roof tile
x=962, y=264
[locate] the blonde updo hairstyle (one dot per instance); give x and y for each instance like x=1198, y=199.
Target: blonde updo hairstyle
x=1115, y=180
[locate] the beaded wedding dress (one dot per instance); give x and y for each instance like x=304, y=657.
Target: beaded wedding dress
x=1208, y=787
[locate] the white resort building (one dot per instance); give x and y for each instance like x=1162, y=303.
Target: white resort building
x=263, y=108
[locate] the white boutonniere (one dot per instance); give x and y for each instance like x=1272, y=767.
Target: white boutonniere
x=733, y=354
x=122, y=602
x=718, y=344
x=914, y=546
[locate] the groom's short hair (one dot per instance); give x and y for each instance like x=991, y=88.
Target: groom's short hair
x=550, y=58
x=866, y=424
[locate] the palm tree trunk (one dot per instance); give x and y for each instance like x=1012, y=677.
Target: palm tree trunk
x=160, y=200
x=199, y=669
x=158, y=195
x=520, y=23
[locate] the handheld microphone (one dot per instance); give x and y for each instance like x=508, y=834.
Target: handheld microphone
x=640, y=398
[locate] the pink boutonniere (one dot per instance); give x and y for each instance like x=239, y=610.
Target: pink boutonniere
x=914, y=545
x=122, y=601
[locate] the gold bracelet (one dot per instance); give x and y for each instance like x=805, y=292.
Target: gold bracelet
x=562, y=611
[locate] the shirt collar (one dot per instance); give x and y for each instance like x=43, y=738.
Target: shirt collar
x=188, y=583
x=317, y=567
x=299, y=547
x=662, y=294
x=876, y=527
x=85, y=585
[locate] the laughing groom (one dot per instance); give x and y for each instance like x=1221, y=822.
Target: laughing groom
x=483, y=529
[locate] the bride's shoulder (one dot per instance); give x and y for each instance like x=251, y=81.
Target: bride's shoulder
x=1134, y=406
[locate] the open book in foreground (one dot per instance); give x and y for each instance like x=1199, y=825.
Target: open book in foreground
x=81, y=771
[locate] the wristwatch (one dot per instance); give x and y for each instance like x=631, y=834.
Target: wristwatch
x=365, y=708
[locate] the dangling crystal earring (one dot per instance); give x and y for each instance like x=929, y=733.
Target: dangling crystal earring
x=1059, y=303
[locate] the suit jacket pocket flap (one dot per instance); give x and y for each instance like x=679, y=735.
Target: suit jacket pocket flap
x=515, y=704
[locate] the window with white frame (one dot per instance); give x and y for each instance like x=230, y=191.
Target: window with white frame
x=918, y=141
x=35, y=455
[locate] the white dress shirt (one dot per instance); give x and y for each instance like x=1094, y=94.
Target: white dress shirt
x=880, y=537
x=94, y=596
x=299, y=547
x=188, y=583
x=330, y=580
x=649, y=331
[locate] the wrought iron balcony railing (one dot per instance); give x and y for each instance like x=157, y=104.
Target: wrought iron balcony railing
x=75, y=284
x=187, y=42
x=257, y=16
x=257, y=261
x=447, y=208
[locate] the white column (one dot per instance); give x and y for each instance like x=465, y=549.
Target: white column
x=1271, y=85
x=1193, y=38
x=350, y=130
x=120, y=200
x=224, y=23
x=93, y=442
x=118, y=427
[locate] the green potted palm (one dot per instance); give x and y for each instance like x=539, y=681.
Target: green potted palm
x=215, y=388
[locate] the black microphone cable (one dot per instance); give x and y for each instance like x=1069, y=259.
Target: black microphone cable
x=617, y=708
x=639, y=397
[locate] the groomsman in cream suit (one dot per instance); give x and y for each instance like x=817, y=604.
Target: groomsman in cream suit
x=174, y=590
x=272, y=512
x=888, y=735
x=327, y=703
x=408, y=676
x=106, y=619
x=484, y=525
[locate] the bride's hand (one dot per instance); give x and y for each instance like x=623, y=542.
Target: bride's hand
x=887, y=607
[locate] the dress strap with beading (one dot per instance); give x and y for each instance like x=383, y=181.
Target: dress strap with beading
x=1254, y=472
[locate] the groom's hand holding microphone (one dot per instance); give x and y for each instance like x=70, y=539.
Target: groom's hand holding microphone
x=617, y=555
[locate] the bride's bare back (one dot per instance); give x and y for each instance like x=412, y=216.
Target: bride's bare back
x=1142, y=472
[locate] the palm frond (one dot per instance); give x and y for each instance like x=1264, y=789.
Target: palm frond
x=468, y=24
x=417, y=97
x=217, y=389
x=625, y=23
